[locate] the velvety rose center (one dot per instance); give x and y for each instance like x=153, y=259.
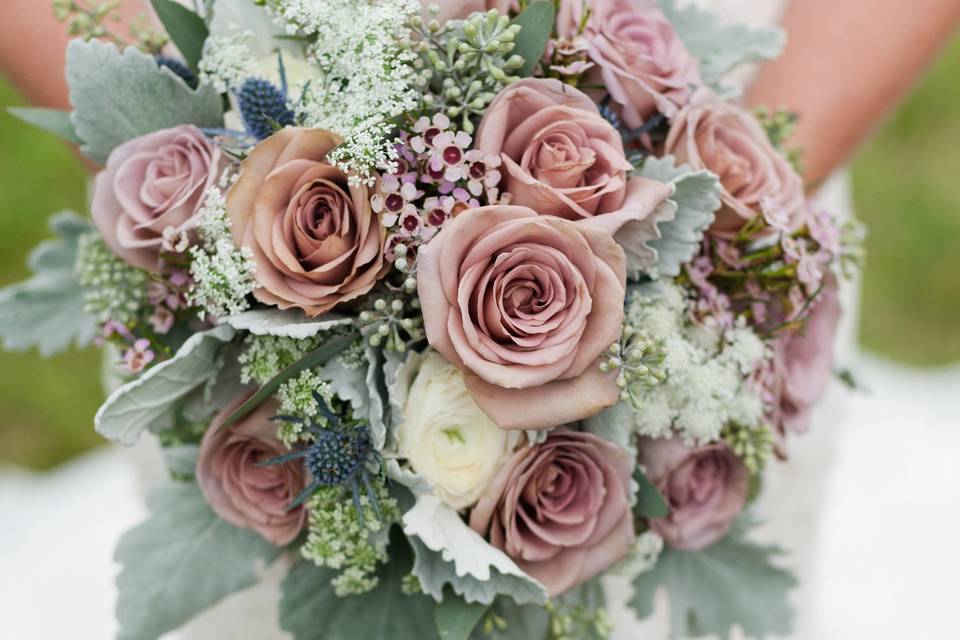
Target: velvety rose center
x=699, y=482
x=322, y=221
x=268, y=488
x=525, y=294
x=560, y=502
x=731, y=154
x=561, y=157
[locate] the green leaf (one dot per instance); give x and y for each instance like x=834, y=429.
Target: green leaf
x=310, y=610
x=536, y=26
x=54, y=121
x=182, y=560
x=150, y=402
x=47, y=310
x=315, y=358
x=721, y=47
x=529, y=622
x=455, y=618
x=120, y=96
x=187, y=30
x=650, y=502
x=732, y=583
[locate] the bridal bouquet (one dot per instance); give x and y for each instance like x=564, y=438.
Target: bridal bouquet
x=447, y=311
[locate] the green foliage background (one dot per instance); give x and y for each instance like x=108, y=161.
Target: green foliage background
x=907, y=185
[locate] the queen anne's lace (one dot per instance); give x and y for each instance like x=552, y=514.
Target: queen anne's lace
x=364, y=75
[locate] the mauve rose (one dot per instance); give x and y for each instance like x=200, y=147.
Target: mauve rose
x=315, y=240
x=151, y=184
x=560, y=509
x=524, y=305
x=638, y=55
x=804, y=360
x=243, y=493
x=705, y=487
x=560, y=156
x=730, y=142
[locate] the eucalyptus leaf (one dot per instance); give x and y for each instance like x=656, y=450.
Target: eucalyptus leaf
x=315, y=358
x=732, y=583
x=54, y=121
x=121, y=96
x=720, y=47
x=536, y=24
x=47, y=311
x=309, y=609
x=182, y=560
x=150, y=402
x=187, y=30
x=650, y=502
x=455, y=618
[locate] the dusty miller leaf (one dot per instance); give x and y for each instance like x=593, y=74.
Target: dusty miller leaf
x=732, y=583
x=120, y=96
x=694, y=203
x=52, y=120
x=286, y=324
x=47, y=310
x=150, y=401
x=721, y=47
x=310, y=610
x=180, y=561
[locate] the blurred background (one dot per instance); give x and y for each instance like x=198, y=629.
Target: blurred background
x=893, y=462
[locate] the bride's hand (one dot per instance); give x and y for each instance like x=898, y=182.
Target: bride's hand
x=847, y=63
x=33, y=46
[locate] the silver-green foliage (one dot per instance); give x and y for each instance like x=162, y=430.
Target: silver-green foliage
x=732, y=583
x=46, y=311
x=120, y=96
x=182, y=560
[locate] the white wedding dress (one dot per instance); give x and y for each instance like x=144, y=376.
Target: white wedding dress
x=790, y=504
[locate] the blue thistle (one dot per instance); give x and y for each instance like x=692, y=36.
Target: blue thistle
x=264, y=107
x=337, y=457
x=180, y=69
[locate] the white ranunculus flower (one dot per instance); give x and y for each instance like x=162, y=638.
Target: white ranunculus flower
x=447, y=439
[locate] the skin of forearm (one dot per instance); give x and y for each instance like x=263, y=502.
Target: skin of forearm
x=848, y=63
x=33, y=46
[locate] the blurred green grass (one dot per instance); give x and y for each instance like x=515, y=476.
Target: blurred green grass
x=907, y=188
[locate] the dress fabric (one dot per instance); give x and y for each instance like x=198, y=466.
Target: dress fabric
x=790, y=504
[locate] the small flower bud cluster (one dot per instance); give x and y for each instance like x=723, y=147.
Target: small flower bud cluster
x=89, y=20
x=639, y=360
x=392, y=322
x=115, y=290
x=348, y=541
x=461, y=66
x=577, y=620
x=753, y=445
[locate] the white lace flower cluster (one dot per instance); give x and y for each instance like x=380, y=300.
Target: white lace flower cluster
x=707, y=370
x=364, y=79
x=227, y=60
x=222, y=272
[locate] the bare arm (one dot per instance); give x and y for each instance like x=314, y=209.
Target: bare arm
x=847, y=63
x=32, y=48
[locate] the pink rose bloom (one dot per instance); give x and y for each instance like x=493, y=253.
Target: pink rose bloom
x=641, y=59
x=730, y=142
x=804, y=360
x=152, y=186
x=560, y=156
x=560, y=509
x=239, y=491
x=315, y=240
x=705, y=487
x=524, y=305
